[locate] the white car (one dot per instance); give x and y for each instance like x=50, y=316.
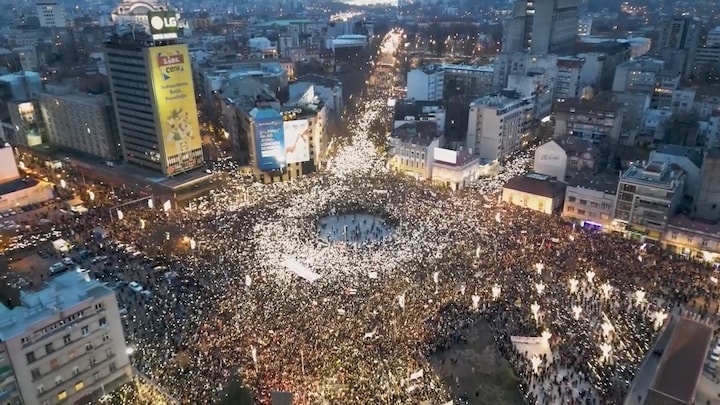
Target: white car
x=68, y=261
x=135, y=286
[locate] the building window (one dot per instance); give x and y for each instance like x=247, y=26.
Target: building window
x=581, y=212
x=99, y=306
x=58, y=380
x=62, y=395
x=85, y=330
x=35, y=373
x=25, y=340
x=49, y=348
x=570, y=209
x=113, y=367
x=689, y=239
x=105, y=337
x=674, y=235
x=583, y=202
x=30, y=357
x=102, y=322
x=40, y=389
x=88, y=346
x=71, y=355
x=54, y=364
x=705, y=243
x=571, y=199
x=79, y=385
x=76, y=370
x=67, y=339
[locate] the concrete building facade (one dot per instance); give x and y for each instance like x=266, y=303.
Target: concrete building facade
x=496, y=125
x=84, y=122
x=65, y=342
x=648, y=196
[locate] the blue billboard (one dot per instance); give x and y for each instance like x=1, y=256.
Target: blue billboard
x=269, y=140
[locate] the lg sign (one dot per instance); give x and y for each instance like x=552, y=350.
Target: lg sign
x=163, y=22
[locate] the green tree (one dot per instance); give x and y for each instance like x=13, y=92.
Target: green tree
x=235, y=392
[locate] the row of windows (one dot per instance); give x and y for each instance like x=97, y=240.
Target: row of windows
x=67, y=339
x=79, y=385
x=50, y=328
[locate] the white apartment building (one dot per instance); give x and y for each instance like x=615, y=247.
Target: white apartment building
x=84, y=122
x=648, y=196
x=496, y=125
x=590, y=200
x=425, y=84
x=637, y=76
x=569, y=75
x=64, y=343
x=50, y=13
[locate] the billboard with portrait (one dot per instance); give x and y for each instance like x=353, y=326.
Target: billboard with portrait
x=176, y=110
x=297, y=141
x=269, y=140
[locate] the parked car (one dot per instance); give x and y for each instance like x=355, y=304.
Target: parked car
x=135, y=286
x=57, y=268
x=99, y=259
x=68, y=261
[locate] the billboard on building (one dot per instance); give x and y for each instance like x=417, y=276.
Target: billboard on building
x=445, y=155
x=172, y=84
x=269, y=141
x=8, y=167
x=297, y=141
x=163, y=24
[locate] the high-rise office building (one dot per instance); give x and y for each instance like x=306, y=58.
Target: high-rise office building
x=542, y=26
x=152, y=90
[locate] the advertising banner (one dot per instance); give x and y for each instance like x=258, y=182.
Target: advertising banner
x=269, y=142
x=176, y=109
x=163, y=24
x=528, y=340
x=297, y=141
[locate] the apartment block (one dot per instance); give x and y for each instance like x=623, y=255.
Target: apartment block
x=63, y=343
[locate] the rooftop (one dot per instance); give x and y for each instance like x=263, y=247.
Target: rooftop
x=319, y=80
x=692, y=154
x=655, y=174
x=698, y=225
x=417, y=133
x=415, y=108
x=81, y=98
x=536, y=184
x=60, y=293
x=497, y=101
x=17, y=185
x=605, y=182
x=574, y=105
x=473, y=68
x=681, y=364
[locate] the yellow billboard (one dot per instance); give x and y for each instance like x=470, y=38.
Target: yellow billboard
x=175, y=108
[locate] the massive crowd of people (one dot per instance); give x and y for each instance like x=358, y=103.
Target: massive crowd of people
x=230, y=289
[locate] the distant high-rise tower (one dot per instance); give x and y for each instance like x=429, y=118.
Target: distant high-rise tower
x=152, y=90
x=679, y=33
x=50, y=14
x=542, y=26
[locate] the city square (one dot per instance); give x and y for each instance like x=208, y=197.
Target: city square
x=360, y=202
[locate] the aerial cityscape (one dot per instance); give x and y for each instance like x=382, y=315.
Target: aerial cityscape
x=346, y=202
